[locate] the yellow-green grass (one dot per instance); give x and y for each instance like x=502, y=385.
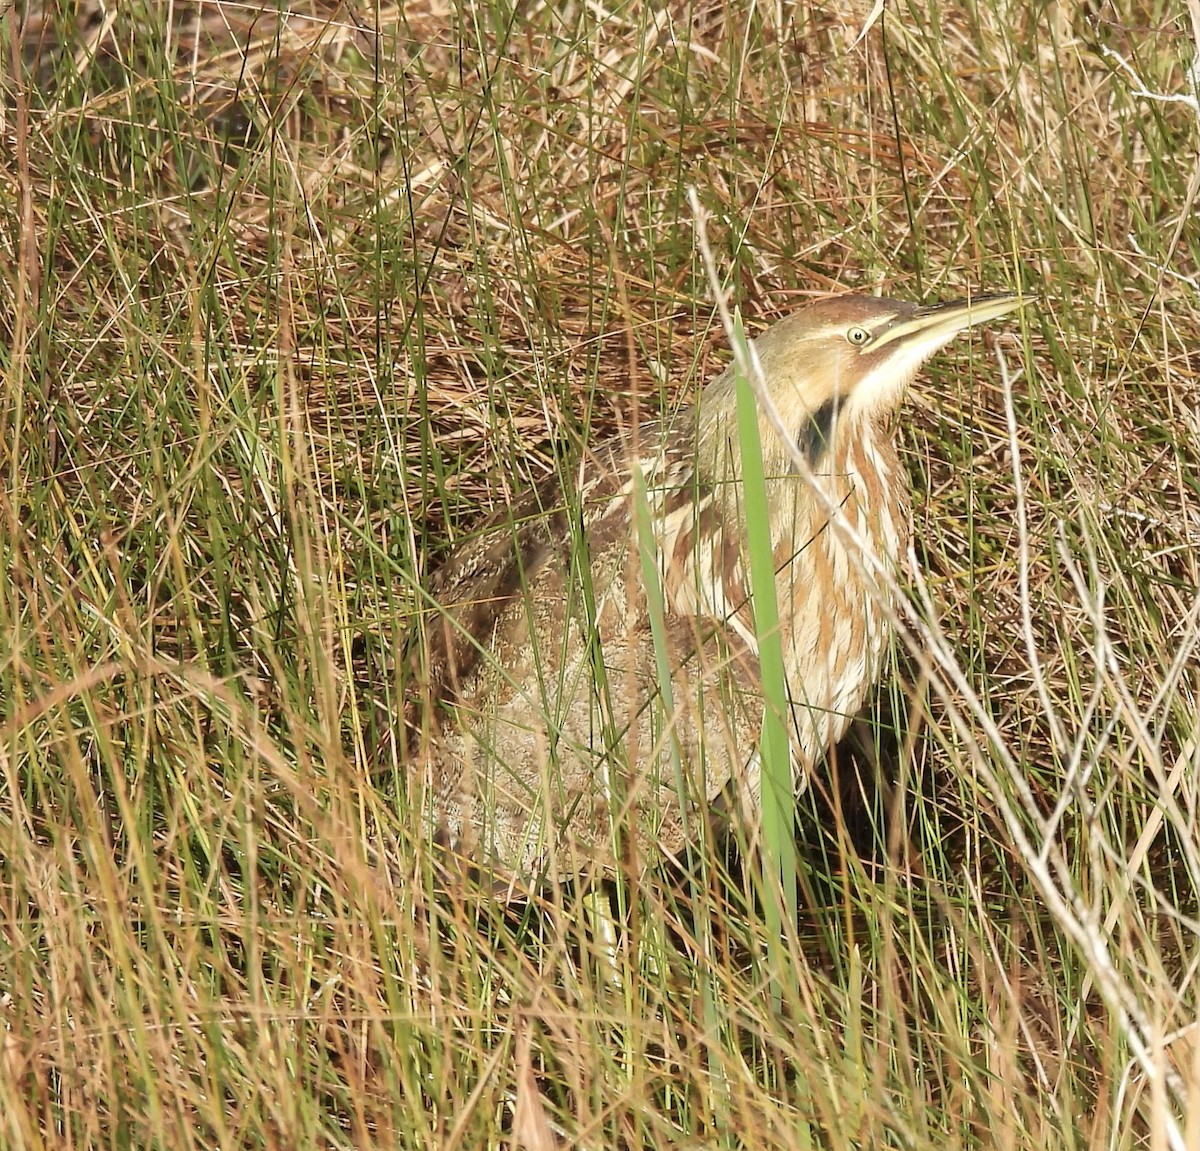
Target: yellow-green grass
x=287, y=305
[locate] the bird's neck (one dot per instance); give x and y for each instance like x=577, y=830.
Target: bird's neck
x=857, y=448
x=704, y=529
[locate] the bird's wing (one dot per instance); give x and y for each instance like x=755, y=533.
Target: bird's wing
x=472, y=590
x=489, y=575
x=479, y=599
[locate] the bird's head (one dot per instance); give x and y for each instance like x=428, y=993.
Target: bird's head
x=838, y=362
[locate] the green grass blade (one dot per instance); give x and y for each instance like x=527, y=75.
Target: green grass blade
x=778, y=807
x=655, y=609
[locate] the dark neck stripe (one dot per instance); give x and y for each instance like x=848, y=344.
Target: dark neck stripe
x=816, y=433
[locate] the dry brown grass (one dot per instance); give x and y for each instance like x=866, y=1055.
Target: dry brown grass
x=290, y=299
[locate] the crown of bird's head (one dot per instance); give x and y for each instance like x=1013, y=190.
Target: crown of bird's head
x=839, y=361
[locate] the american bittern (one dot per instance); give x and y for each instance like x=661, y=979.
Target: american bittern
x=552, y=725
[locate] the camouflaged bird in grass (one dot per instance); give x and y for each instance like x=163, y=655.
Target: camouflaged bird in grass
x=548, y=725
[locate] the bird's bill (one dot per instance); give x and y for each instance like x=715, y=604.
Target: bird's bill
x=935, y=324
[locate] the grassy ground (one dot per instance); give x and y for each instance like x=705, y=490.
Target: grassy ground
x=288, y=300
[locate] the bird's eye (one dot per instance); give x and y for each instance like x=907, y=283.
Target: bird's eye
x=858, y=336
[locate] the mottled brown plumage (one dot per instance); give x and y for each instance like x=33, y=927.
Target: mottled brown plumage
x=549, y=726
